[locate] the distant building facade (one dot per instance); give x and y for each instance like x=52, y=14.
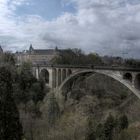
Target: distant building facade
x=37, y=56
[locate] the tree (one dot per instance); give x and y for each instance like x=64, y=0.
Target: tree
x=109, y=127
x=26, y=79
x=94, y=59
x=124, y=135
x=100, y=131
x=53, y=111
x=38, y=93
x=123, y=122
x=77, y=57
x=8, y=58
x=132, y=63
x=90, y=134
x=10, y=127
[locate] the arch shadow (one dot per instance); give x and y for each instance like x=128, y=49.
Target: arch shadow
x=127, y=76
x=106, y=73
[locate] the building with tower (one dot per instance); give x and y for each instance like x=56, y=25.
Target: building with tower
x=37, y=56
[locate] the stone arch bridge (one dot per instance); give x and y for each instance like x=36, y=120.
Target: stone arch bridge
x=57, y=76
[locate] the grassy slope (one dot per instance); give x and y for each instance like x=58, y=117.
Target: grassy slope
x=96, y=96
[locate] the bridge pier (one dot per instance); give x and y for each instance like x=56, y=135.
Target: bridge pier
x=61, y=75
x=137, y=81
x=36, y=74
x=64, y=74
x=56, y=78
x=54, y=73
x=133, y=79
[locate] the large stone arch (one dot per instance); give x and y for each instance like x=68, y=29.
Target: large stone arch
x=113, y=74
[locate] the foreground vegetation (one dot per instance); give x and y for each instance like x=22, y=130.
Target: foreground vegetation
x=96, y=108
x=18, y=88
x=10, y=126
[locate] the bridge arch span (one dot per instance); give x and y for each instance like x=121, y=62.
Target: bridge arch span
x=116, y=76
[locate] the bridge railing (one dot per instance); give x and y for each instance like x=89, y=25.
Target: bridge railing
x=91, y=67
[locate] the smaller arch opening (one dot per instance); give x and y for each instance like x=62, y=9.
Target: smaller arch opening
x=137, y=81
x=44, y=75
x=69, y=72
x=59, y=77
x=64, y=74
x=127, y=76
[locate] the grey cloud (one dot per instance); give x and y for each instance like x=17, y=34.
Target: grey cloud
x=114, y=30
x=103, y=26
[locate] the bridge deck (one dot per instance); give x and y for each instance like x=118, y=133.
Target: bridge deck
x=115, y=68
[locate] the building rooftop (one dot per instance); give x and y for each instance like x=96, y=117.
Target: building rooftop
x=42, y=51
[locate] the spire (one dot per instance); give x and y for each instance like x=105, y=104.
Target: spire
x=31, y=48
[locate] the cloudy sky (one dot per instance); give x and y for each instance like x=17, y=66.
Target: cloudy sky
x=104, y=26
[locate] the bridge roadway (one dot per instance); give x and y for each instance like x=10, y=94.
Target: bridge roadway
x=58, y=76
x=96, y=67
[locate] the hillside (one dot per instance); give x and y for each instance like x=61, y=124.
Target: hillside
x=91, y=99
